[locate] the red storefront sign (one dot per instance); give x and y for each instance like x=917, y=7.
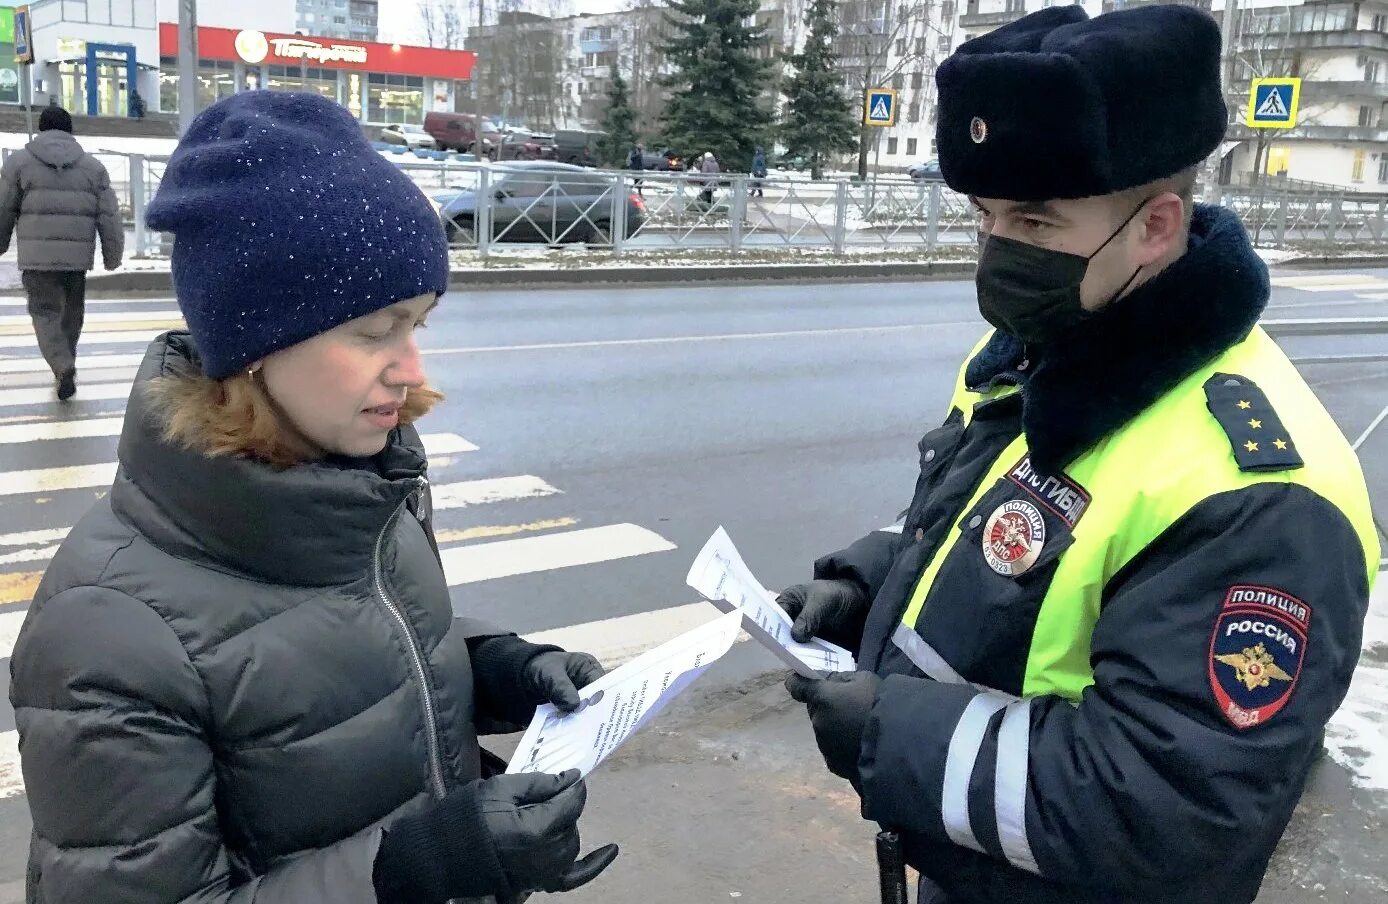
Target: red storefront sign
x=273, y=49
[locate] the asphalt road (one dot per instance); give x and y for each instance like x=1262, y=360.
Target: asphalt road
x=591, y=441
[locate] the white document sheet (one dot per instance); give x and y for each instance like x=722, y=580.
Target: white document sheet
x=720, y=574
x=621, y=703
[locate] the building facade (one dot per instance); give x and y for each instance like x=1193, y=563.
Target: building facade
x=90, y=54
x=1340, y=51
x=358, y=20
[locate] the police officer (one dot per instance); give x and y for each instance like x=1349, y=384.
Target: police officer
x=1098, y=651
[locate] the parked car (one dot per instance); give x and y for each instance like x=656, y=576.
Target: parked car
x=576, y=147
x=541, y=202
x=522, y=144
x=929, y=171
x=665, y=161
x=411, y=136
x=458, y=132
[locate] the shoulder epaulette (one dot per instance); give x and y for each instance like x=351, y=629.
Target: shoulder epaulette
x=1256, y=434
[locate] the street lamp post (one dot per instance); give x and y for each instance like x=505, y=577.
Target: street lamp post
x=187, y=63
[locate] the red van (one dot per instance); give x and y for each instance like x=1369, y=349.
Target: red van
x=458, y=132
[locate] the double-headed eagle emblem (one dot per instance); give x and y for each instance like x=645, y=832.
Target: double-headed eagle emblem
x=1255, y=667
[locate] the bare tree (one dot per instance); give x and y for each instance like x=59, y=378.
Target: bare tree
x=880, y=41
x=523, y=63
x=643, y=35
x=443, y=22
x=1262, y=48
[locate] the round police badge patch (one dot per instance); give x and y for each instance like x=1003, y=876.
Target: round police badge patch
x=1256, y=652
x=1013, y=537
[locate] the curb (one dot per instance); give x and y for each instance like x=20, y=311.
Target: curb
x=1333, y=263
x=145, y=281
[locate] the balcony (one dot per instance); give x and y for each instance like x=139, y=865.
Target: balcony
x=1348, y=39
x=1379, y=134
x=598, y=45
x=972, y=21
x=1317, y=92
x=1322, y=92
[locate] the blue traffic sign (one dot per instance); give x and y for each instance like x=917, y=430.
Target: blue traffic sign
x=879, y=107
x=1273, y=103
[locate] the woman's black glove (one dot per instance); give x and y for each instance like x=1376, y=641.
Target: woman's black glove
x=513, y=676
x=499, y=836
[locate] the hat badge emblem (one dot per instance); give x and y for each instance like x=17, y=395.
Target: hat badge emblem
x=978, y=130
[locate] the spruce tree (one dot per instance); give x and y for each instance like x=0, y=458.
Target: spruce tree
x=618, y=123
x=718, y=84
x=818, y=121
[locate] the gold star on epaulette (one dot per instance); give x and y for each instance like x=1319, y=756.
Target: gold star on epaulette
x=1251, y=446
x=1256, y=424
x=1281, y=444
x=1245, y=405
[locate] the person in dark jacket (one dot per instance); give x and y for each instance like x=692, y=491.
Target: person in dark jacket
x=636, y=162
x=241, y=678
x=1098, y=651
x=758, y=173
x=59, y=199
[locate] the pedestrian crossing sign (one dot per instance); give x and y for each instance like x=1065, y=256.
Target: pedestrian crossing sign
x=879, y=107
x=1273, y=103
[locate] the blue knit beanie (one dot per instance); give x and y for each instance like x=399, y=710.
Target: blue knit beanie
x=286, y=224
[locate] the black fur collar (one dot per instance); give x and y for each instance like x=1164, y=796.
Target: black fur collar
x=1125, y=358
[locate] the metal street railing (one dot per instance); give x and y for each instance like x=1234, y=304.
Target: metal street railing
x=625, y=211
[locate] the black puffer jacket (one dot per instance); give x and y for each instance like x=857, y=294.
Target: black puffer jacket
x=218, y=687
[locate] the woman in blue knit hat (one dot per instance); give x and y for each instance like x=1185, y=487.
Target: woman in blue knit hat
x=241, y=678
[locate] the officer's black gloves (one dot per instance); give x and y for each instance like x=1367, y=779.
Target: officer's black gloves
x=832, y=609
x=499, y=836
x=512, y=677
x=839, y=706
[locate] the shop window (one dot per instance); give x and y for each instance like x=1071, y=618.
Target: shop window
x=394, y=99
x=216, y=80
x=292, y=78
x=168, y=85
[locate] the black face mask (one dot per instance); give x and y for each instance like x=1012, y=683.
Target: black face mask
x=1033, y=293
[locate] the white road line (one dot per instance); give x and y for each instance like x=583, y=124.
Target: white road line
x=446, y=496
x=34, y=537
x=121, y=337
x=489, y=490
x=446, y=444
x=47, y=430
x=101, y=317
x=615, y=640
x=723, y=337
x=504, y=558
x=84, y=362
x=11, y=778
x=86, y=392
x=1330, y=282
x=85, y=375
x=48, y=480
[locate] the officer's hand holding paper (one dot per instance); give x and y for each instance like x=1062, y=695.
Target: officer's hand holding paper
x=620, y=703
x=720, y=574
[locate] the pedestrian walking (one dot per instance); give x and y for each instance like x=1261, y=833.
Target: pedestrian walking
x=1098, y=651
x=57, y=199
x=708, y=165
x=241, y=677
x=758, y=173
x=636, y=163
